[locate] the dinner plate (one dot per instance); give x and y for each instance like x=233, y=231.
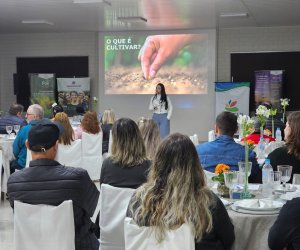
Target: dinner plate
x=259, y=204
x=260, y=212
x=289, y=188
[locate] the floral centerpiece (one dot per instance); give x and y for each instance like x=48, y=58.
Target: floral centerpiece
x=95, y=101
x=263, y=114
x=247, y=125
x=219, y=170
x=284, y=103
x=251, y=144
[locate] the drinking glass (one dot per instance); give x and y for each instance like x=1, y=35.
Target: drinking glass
x=286, y=172
x=231, y=179
x=242, y=167
x=9, y=130
x=275, y=179
x=16, y=128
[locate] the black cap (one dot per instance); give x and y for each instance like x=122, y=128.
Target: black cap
x=43, y=135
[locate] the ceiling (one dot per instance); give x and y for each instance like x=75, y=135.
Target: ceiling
x=160, y=14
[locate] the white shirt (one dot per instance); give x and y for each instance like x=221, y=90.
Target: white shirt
x=159, y=107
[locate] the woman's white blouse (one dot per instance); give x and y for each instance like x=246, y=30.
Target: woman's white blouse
x=158, y=107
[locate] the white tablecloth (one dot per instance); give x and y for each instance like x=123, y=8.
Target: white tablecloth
x=7, y=156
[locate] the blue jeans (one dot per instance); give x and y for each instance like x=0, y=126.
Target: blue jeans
x=163, y=123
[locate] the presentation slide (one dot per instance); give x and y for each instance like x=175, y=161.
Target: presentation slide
x=135, y=64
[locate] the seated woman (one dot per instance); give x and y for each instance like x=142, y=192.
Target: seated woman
x=128, y=164
x=176, y=193
x=68, y=135
x=108, y=120
x=89, y=124
x=290, y=153
x=151, y=135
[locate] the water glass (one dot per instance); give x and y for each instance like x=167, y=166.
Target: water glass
x=286, y=173
x=9, y=129
x=275, y=179
x=242, y=167
x=16, y=128
x=231, y=179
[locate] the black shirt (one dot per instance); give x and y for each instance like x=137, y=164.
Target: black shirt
x=286, y=230
x=117, y=175
x=105, y=141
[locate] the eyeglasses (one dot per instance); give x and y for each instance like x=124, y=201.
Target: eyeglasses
x=29, y=114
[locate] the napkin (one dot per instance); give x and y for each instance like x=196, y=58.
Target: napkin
x=256, y=203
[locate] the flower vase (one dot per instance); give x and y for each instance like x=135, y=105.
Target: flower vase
x=223, y=190
x=273, y=134
x=246, y=194
x=261, y=131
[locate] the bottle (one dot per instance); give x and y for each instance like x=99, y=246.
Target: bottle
x=261, y=148
x=278, y=135
x=266, y=179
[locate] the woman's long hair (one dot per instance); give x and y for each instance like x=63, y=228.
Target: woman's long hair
x=175, y=192
x=108, y=117
x=151, y=136
x=163, y=95
x=90, y=123
x=293, y=140
x=128, y=148
x=68, y=135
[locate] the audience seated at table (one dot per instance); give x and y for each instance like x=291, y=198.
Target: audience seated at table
x=255, y=136
x=48, y=182
x=225, y=150
x=67, y=136
x=108, y=120
x=285, y=233
x=290, y=153
x=151, y=135
x=89, y=124
x=127, y=166
x=14, y=117
x=34, y=113
x=176, y=193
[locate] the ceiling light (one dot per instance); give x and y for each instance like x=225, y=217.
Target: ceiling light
x=228, y=15
x=132, y=19
x=91, y=1
x=37, y=22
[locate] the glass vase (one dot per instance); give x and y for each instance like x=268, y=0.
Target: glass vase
x=223, y=190
x=247, y=170
x=261, y=131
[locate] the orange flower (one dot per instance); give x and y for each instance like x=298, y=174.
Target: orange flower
x=250, y=142
x=221, y=168
x=267, y=132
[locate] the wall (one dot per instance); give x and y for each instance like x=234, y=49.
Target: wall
x=253, y=40
x=43, y=45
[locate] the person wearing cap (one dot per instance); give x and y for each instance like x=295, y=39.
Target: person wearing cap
x=14, y=117
x=34, y=113
x=59, y=183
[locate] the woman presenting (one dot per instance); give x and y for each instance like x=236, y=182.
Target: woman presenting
x=162, y=109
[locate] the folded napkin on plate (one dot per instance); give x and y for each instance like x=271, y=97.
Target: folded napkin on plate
x=256, y=203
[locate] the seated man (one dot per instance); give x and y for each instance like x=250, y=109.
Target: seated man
x=34, y=113
x=285, y=233
x=48, y=182
x=225, y=150
x=14, y=117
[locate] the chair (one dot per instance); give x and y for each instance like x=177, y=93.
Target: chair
x=92, y=154
x=143, y=238
x=28, y=158
x=44, y=227
x=69, y=155
x=0, y=171
x=113, y=206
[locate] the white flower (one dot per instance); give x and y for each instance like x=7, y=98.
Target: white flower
x=284, y=102
x=263, y=111
x=95, y=99
x=246, y=123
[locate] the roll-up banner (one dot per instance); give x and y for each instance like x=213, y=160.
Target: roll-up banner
x=42, y=91
x=232, y=97
x=268, y=87
x=74, y=94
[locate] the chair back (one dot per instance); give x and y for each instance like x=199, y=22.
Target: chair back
x=69, y=155
x=28, y=158
x=113, y=207
x=44, y=227
x=143, y=238
x=92, y=154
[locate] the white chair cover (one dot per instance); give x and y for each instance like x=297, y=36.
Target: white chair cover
x=28, y=158
x=143, y=238
x=1, y=171
x=113, y=206
x=92, y=154
x=69, y=155
x=44, y=227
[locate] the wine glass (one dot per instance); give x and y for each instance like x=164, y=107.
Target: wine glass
x=286, y=172
x=231, y=179
x=275, y=179
x=16, y=128
x=9, y=130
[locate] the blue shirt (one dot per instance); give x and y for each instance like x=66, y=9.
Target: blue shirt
x=225, y=150
x=19, y=147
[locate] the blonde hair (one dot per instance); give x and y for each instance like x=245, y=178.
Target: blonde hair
x=128, y=148
x=68, y=135
x=151, y=136
x=175, y=192
x=108, y=117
